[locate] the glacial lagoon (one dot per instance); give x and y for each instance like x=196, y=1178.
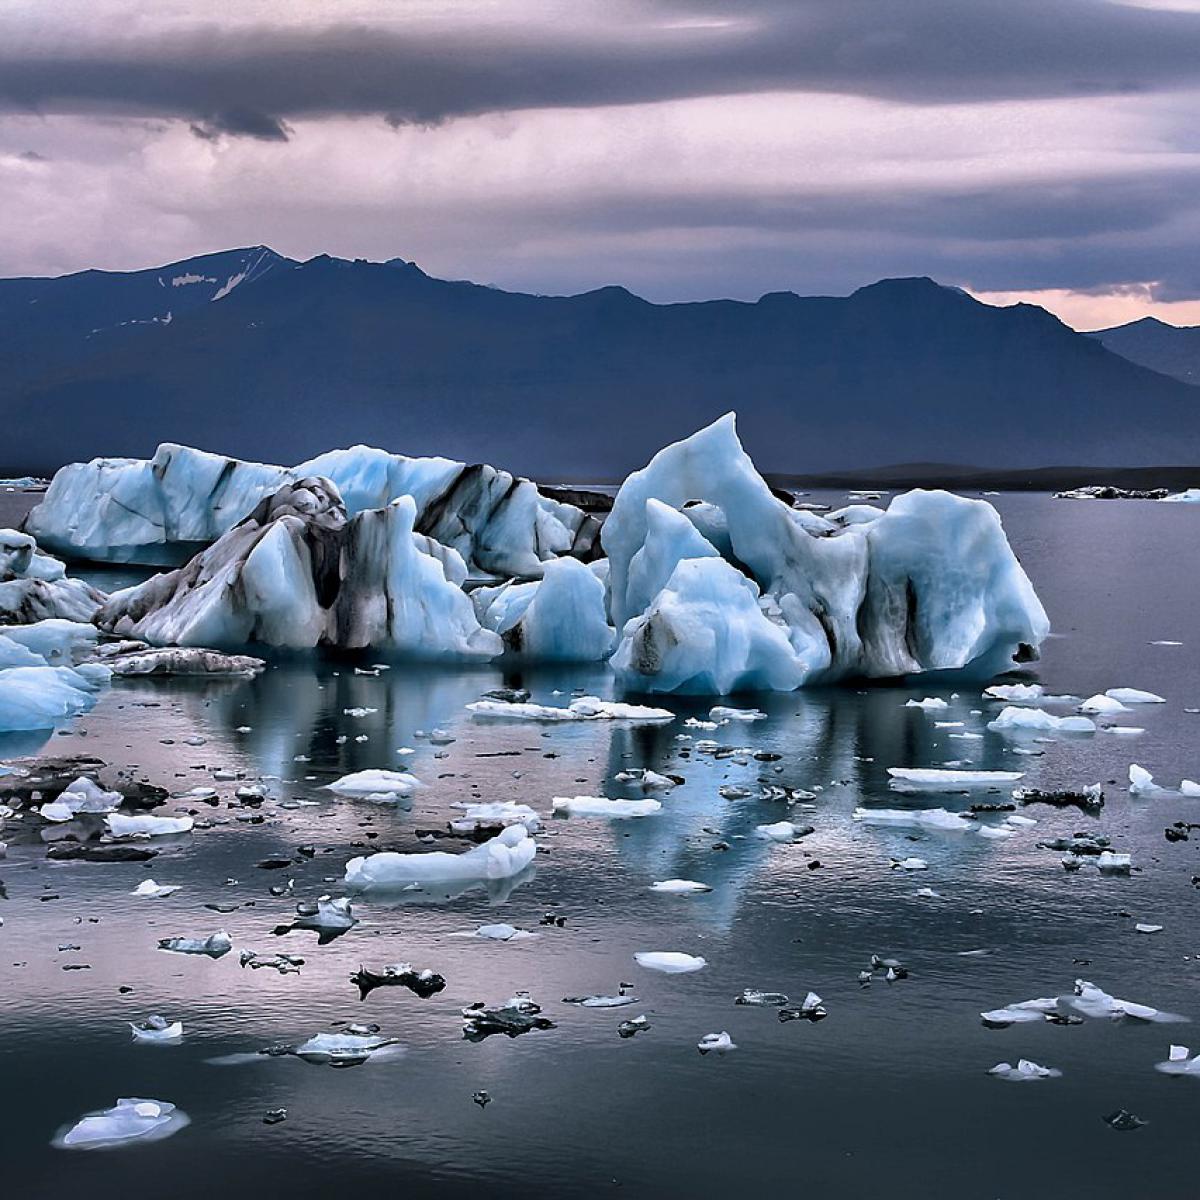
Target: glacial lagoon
x=889, y=1093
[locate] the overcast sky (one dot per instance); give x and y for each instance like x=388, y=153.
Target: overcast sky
x=1036, y=149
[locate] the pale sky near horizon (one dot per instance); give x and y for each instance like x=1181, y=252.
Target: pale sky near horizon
x=1045, y=150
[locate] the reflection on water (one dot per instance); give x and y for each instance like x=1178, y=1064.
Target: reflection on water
x=890, y=1091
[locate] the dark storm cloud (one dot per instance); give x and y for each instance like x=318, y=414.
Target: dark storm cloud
x=248, y=81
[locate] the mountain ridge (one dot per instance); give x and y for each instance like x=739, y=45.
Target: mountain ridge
x=296, y=357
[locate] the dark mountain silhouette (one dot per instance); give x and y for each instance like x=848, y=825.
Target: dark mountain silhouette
x=1169, y=349
x=300, y=357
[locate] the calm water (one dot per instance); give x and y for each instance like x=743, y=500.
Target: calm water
x=888, y=1095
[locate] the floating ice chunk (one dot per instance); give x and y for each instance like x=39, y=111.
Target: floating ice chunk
x=499, y=932
x=780, y=831
x=157, y=1029
x=759, y=999
x=1019, y=693
x=1093, y=1001
x=679, y=887
x=927, y=893
x=1141, y=927
x=1190, y=788
x=423, y=983
x=82, y=796
x=40, y=697
x=385, y=787
x=924, y=818
x=601, y=806
x=155, y=890
x=621, y=1001
x=327, y=917
x=722, y=712
x=342, y=1049
x=1179, y=1062
x=936, y=779
x=146, y=825
x=1036, y=720
x=586, y=708
x=650, y=781
x=516, y=1016
x=1133, y=696
x=669, y=962
x=215, y=945
x=1025, y=1071
x=909, y=864
x=501, y=857
x=1022, y=1012
x=130, y=1120
x=719, y=1043
x=496, y=815
x=670, y=538
x=1141, y=782
x=1104, y=706
x=183, y=661
x=930, y=702
x=1115, y=864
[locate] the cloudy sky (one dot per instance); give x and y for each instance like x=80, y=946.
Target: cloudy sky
x=1034, y=149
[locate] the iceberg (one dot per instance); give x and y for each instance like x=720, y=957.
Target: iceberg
x=40, y=697
x=298, y=573
x=1014, y=719
x=35, y=587
x=129, y=1120
x=930, y=584
x=162, y=510
x=505, y=855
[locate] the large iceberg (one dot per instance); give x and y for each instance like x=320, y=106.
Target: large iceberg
x=930, y=584
x=298, y=573
x=162, y=510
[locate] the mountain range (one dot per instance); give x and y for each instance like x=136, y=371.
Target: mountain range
x=250, y=353
x=1169, y=349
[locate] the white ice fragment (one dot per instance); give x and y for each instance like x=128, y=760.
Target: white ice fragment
x=1104, y=706
x=1190, y=788
x=601, y=806
x=154, y=890
x=669, y=962
x=1020, y=693
x=82, y=796
x=215, y=945
x=146, y=825
x=586, y=708
x=780, y=831
x=1024, y=1071
x=930, y=702
x=679, y=887
x=719, y=1043
x=376, y=785
x=909, y=864
x=1141, y=927
x=1133, y=696
x=501, y=857
x=1141, y=782
x=721, y=712
x=130, y=1120
x=500, y=932
x=157, y=1029
x=1113, y=864
x=926, y=818
x=500, y=813
x=933, y=779
x=1036, y=720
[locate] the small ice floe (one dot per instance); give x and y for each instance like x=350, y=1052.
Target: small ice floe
x=157, y=1029
x=145, y=825
x=1142, y=927
x=892, y=968
x=1025, y=1071
x=601, y=806
x=1123, y=1121
x=669, y=962
x=811, y=1008
x=1093, y=1001
x=1022, y=1012
x=586, y=708
x=354, y=1046
x=381, y=787
x=82, y=796
x=156, y=891
x=647, y=780
x=499, y=932
x=1190, y=788
x=359, y=712
x=423, y=983
x=927, y=893
x=627, y=1029
x=325, y=916
x=1103, y=706
x=129, y=1120
x=1016, y=720
x=495, y=816
x=722, y=713
x=501, y=857
x=911, y=863
x=937, y=779
x=285, y=964
x=926, y=818
x=1180, y=1062
x=1134, y=696
x=1018, y=693
x=1141, y=782
x=215, y=945
x=1165, y=642
x=782, y=831
x=716, y=1043
x=756, y=999
x=679, y=887
x=621, y=1001
x=514, y=1017
x=933, y=703
x=1113, y=863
